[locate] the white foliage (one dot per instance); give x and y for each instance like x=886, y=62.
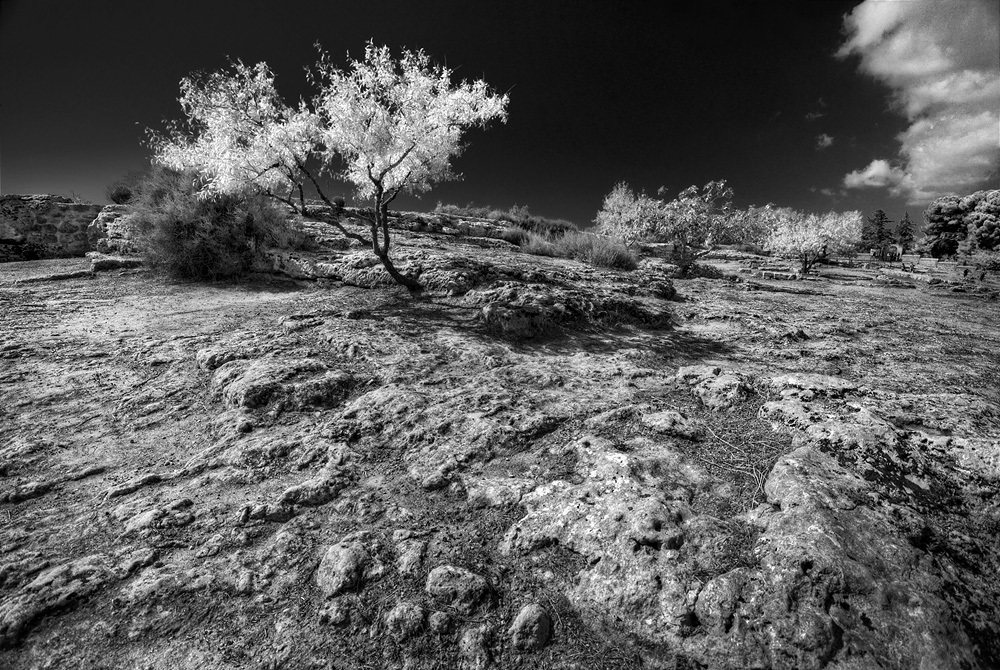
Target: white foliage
x=383, y=125
x=397, y=124
x=628, y=216
x=809, y=237
x=240, y=134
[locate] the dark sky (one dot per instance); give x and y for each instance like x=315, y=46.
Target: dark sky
x=600, y=92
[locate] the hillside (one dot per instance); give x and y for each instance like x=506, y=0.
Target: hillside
x=535, y=463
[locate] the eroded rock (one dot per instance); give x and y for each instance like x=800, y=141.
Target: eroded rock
x=531, y=628
x=463, y=589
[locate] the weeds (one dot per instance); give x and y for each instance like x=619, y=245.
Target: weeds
x=586, y=247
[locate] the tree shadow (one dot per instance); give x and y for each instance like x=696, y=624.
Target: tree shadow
x=427, y=314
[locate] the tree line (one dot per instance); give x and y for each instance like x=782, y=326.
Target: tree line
x=698, y=220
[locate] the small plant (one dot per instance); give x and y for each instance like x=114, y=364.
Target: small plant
x=124, y=189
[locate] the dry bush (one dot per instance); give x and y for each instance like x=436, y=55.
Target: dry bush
x=596, y=250
x=585, y=247
x=188, y=236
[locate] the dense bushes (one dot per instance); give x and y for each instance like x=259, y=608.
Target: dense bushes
x=196, y=237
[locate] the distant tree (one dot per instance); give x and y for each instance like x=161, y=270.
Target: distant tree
x=810, y=238
x=982, y=223
x=904, y=232
x=696, y=222
x=962, y=224
x=944, y=226
x=875, y=232
x=752, y=226
x=386, y=126
x=628, y=216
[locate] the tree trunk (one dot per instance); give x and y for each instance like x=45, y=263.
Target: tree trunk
x=381, y=223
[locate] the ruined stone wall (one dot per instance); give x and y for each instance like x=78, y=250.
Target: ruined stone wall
x=44, y=226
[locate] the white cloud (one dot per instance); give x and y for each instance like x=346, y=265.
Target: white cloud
x=942, y=60
x=823, y=141
x=879, y=174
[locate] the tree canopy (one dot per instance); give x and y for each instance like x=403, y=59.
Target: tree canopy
x=963, y=223
x=811, y=237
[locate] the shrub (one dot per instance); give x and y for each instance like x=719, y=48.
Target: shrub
x=596, y=249
x=124, y=189
x=514, y=235
x=585, y=247
x=539, y=245
x=987, y=260
x=188, y=236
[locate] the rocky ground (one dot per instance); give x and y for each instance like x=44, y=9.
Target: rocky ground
x=533, y=464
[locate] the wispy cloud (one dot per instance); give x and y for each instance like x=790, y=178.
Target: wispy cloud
x=942, y=62
x=823, y=141
x=817, y=114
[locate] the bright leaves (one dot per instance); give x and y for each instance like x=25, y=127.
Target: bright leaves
x=386, y=126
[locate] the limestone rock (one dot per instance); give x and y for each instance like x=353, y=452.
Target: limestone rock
x=344, y=566
x=410, y=555
x=531, y=628
x=102, y=262
x=462, y=588
x=212, y=358
x=113, y=231
x=405, y=620
x=717, y=390
x=57, y=587
x=439, y=623
x=673, y=423
x=297, y=383
x=473, y=652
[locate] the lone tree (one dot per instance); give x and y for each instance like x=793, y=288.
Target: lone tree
x=810, y=237
x=385, y=126
x=904, y=232
x=628, y=216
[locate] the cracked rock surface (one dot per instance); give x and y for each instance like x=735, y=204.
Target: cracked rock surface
x=282, y=473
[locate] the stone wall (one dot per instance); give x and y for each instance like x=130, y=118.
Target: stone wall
x=44, y=226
